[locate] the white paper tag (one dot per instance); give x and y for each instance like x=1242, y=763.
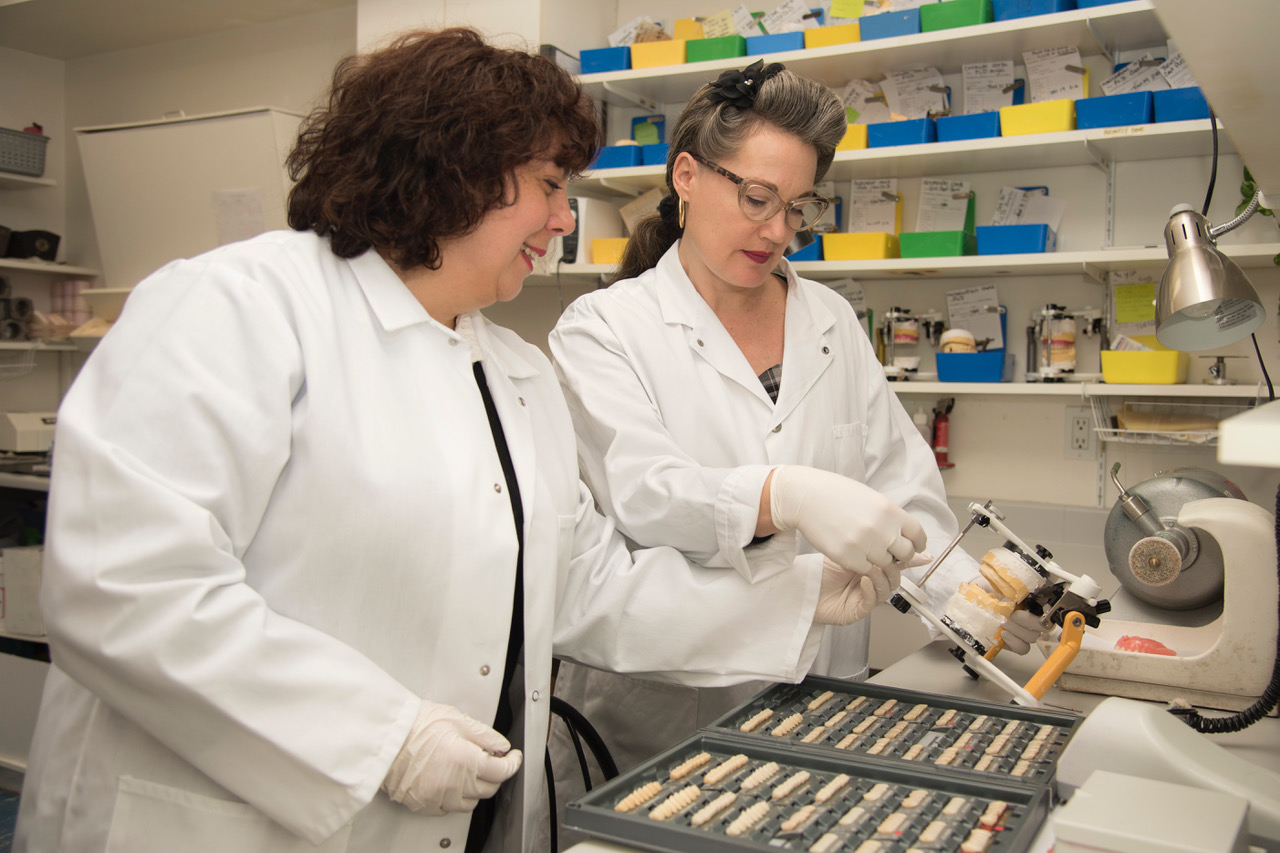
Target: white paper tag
x=914, y=93
x=988, y=86
x=865, y=102
x=873, y=206
x=1050, y=75
x=943, y=206
x=970, y=309
x=1176, y=72
x=1135, y=77
x=626, y=34
x=788, y=18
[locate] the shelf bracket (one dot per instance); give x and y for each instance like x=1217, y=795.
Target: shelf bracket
x=1095, y=273
x=1094, y=154
x=630, y=97
x=1108, y=50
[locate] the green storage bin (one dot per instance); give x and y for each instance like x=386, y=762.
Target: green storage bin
x=954, y=13
x=937, y=244
x=724, y=47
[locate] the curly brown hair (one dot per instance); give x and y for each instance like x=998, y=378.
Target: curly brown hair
x=418, y=141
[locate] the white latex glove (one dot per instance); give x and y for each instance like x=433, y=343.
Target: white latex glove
x=1020, y=630
x=449, y=762
x=847, y=521
x=846, y=597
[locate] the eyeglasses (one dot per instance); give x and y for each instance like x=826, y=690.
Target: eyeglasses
x=759, y=202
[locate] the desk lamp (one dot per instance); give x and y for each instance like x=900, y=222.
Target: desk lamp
x=1204, y=300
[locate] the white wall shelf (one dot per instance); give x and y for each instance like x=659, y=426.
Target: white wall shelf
x=30, y=482
x=1101, y=30
x=1081, y=390
x=9, y=181
x=1093, y=264
x=1097, y=146
x=38, y=346
x=47, y=268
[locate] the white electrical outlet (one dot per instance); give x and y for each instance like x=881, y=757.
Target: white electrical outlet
x=1081, y=441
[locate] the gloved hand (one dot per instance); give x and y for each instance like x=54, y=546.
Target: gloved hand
x=448, y=762
x=846, y=597
x=1020, y=630
x=848, y=522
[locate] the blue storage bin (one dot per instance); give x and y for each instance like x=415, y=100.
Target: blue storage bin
x=910, y=132
x=1015, y=239
x=995, y=365
x=605, y=59
x=775, y=43
x=1180, y=104
x=889, y=24
x=1114, y=110
x=614, y=156
x=811, y=252
x=1004, y=10
x=654, y=155
x=976, y=126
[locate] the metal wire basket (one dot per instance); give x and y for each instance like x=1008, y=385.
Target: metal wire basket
x=22, y=153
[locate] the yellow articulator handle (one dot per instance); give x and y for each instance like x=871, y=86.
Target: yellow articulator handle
x=1068, y=648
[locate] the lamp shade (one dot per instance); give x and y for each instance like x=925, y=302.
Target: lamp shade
x=1204, y=300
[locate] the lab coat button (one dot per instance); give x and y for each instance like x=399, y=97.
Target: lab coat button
x=778, y=428
x=826, y=350
x=444, y=842
x=497, y=487
x=700, y=343
x=453, y=342
x=536, y=696
x=521, y=399
x=484, y=669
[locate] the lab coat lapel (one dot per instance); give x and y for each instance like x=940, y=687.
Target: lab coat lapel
x=705, y=335
x=808, y=349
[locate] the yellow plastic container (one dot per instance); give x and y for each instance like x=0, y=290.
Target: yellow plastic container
x=1044, y=117
x=855, y=137
x=1159, y=367
x=650, y=54
x=607, y=250
x=839, y=34
x=874, y=246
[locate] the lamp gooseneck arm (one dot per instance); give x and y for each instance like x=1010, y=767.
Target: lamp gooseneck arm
x=1239, y=220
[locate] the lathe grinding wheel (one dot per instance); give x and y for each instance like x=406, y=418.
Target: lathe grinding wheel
x=1155, y=561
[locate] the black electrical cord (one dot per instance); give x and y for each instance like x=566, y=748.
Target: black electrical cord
x=1271, y=391
x=1213, y=168
x=579, y=730
x=1270, y=695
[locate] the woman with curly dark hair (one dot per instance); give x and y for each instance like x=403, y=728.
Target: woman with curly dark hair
x=315, y=523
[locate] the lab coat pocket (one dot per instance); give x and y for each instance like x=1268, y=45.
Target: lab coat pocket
x=154, y=818
x=851, y=449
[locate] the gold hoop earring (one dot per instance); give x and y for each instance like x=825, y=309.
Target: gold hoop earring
x=681, y=213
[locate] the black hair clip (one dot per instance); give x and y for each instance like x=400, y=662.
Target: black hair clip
x=740, y=88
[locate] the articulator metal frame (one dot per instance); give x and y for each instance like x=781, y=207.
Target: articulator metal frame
x=1068, y=601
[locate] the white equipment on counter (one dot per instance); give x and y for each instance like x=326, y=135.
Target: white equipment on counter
x=1224, y=664
x=1063, y=599
x=595, y=219
x=1145, y=740
x=27, y=432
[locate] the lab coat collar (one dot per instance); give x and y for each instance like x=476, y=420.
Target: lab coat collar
x=807, y=323
x=395, y=308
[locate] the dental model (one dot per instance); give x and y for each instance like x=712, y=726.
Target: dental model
x=713, y=808
x=821, y=700
x=886, y=708
x=754, y=723
x=730, y=765
x=830, y=789
x=816, y=733
x=915, y=798
x=759, y=776
x=790, y=785
x=676, y=803
x=638, y=797
x=798, y=818
x=687, y=766
x=914, y=713
x=991, y=817
x=977, y=842
x=826, y=843
x=787, y=726
x=750, y=817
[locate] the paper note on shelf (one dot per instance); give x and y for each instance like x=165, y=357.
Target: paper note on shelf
x=944, y=205
x=875, y=207
x=1054, y=73
x=976, y=309
x=988, y=86
x=1141, y=75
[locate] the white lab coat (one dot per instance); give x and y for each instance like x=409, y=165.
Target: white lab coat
x=277, y=519
x=676, y=435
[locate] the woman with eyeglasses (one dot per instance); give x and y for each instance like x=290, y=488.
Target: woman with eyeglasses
x=731, y=409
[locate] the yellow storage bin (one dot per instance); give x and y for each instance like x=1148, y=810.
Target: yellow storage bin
x=607, y=250
x=839, y=34
x=1044, y=117
x=1159, y=367
x=687, y=29
x=650, y=54
x=855, y=136
x=874, y=246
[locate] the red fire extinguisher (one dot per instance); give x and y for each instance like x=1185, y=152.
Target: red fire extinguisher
x=942, y=432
